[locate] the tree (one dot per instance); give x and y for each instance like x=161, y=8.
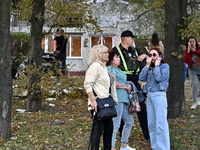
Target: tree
x=143, y=17
x=35, y=56
x=5, y=71
x=175, y=11
x=59, y=12
x=178, y=26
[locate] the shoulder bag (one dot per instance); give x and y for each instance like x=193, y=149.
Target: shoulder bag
x=134, y=105
x=106, y=106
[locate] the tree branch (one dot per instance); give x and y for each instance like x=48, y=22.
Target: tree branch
x=140, y=15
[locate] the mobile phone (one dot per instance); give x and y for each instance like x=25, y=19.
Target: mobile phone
x=189, y=44
x=161, y=57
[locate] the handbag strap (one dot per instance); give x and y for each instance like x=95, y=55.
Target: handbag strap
x=109, y=88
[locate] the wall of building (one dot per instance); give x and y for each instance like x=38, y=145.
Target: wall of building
x=75, y=65
x=111, y=20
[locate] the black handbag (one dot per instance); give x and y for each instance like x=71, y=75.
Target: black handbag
x=105, y=106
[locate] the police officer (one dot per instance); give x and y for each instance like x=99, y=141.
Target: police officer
x=131, y=66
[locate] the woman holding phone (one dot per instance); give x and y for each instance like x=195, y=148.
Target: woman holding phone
x=192, y=58
x=156, y=75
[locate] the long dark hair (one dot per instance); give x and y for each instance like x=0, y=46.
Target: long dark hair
x=192, y=37
x=159, y=53
x=112, y=53
x=154, y=39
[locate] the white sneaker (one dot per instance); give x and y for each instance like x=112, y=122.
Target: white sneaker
x=194, y=106
x=127, y=148
x=198, y=102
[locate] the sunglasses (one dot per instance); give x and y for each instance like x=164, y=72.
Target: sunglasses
x=154, y=55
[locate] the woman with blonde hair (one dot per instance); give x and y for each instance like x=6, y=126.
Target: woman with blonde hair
x=99, y=81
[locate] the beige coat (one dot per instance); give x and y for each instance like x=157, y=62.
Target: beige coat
x=97, y=78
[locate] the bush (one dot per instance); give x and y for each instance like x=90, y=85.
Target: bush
x=20, y=46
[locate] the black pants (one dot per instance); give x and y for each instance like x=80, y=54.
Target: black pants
x=62, y=57
x=100, y=127
x=142, y=116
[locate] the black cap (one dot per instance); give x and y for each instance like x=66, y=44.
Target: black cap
x=127, y=33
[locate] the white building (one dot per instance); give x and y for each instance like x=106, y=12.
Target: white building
x=111, y=20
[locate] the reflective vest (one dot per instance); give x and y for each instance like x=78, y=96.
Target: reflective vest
x=125, y=65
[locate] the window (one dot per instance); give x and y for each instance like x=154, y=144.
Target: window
x=74, y=46
x=103, y=40
x=47, y=44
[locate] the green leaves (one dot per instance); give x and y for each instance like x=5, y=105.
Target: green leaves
x=193, y=27
x=60, y=12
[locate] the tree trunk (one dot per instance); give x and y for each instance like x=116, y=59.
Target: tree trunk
x=5, y=71
x=35, y=57
x=175, y=11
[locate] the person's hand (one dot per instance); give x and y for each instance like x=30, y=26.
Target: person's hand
x=148, y=62
x=128, y=88
x=158, y=60
x=94, y=105
x=142, y=57
x=192, y=49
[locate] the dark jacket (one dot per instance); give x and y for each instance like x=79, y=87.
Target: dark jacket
x=130, y=57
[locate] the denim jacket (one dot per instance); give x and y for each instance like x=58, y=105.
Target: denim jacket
x=135, y=90
x=157, y=78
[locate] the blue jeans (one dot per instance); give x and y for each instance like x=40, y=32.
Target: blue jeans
x=194, y=79
x=122, y=113
x=185, y=72
x=157, y=120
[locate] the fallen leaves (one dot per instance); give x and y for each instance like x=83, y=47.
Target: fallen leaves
x=67, y=125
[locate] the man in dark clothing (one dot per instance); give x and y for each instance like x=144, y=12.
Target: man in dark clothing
x=133, y=59
x=61, y=43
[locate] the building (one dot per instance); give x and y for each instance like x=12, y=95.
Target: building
x=80, y=41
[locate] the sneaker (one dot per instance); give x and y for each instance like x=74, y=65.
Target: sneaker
x=194, y=106
x=127, y=148
x=198, y=102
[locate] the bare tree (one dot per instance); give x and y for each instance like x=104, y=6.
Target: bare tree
x=5, y=70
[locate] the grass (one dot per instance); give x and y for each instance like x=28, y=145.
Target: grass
x=66, y=126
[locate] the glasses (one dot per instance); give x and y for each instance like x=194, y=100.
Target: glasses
x=154, y=55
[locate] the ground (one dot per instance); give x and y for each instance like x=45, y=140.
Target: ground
x=66, y=126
